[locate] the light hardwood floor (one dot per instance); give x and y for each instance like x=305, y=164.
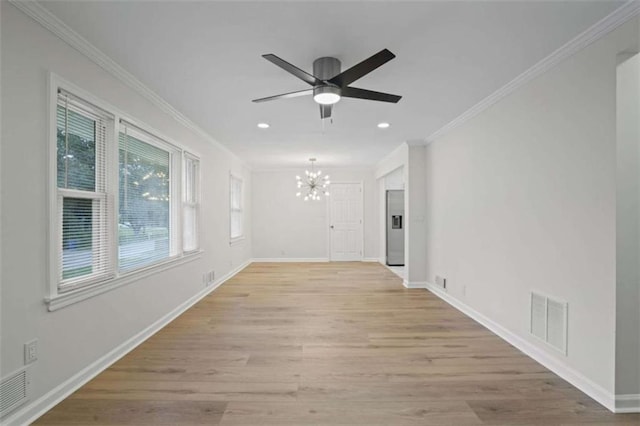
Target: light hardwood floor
x=326, y=344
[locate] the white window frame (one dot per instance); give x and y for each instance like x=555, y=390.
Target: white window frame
x=63, y=294
x=195, y=204
x=232, y=177
x=99, y=194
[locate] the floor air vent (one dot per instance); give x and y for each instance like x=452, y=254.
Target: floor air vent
x=14, y=391
x=549, y=318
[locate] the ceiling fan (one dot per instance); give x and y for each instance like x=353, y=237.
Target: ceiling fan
x=329, y=84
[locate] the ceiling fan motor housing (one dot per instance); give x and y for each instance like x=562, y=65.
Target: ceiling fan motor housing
x=326, y=68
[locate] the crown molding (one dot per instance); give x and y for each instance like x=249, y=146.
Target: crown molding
x=598, y=30
x=48, y=20
x=329, y=169
x=416, y=142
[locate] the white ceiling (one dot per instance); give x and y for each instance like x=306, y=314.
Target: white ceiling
x=205, y=59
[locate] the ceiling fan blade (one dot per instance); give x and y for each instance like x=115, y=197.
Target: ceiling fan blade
x=286, y=95
x=363, y=68
x=354, y=92
x=292, y=69
x=325, y=111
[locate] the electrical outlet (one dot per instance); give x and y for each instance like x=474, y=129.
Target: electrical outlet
x=208, y=278
x=31, y=351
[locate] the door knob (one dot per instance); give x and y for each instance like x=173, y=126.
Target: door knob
x=331, y=226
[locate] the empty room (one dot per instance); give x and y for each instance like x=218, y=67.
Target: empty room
x=320, y=212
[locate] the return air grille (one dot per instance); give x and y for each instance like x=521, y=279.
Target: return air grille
x=549, y=318
x=14, y=391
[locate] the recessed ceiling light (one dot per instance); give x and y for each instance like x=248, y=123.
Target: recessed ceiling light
x=263, y=125
x=383, y=125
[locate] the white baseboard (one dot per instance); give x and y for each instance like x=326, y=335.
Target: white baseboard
x=629, y=403
x=289, y=259
x=414, y=284
x=572, y=376
x=302, y=259
x=30, y=412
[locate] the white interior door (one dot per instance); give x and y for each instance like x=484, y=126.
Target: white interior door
x=345, y=216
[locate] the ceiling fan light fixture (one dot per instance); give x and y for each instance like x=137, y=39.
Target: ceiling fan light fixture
x=326, y=95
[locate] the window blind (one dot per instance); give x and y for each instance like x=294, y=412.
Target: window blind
x=82, y=192
x=144, y=216
x=236, y=206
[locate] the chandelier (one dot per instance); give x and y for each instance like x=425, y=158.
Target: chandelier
x=313, y=185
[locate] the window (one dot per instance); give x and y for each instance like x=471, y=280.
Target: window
x=191, y=203
x=236, y=206
x=81, y=191
x=144, y=214
x=119, y=202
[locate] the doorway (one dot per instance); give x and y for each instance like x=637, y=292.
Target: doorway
x=395, y=227
x=345, y=222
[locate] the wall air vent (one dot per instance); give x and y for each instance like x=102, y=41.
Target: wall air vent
x=549, y=319
x=14, y=391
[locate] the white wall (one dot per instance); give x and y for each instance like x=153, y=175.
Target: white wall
x=287, y=227
x=628, y=228
x=415, y=210
x=523, y=197
x=394, y=180
x=74, y=337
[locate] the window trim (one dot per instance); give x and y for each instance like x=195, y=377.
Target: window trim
x=58, y=296
x=232, y=176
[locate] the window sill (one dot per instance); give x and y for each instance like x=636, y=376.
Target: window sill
x=77, y=295
x=234, y=241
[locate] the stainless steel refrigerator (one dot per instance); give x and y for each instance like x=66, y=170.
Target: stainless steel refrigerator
x=395, y=228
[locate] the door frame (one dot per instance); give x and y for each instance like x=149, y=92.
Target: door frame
x=328, y=221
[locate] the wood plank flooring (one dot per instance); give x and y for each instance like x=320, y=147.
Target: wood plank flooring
x=326, y=344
